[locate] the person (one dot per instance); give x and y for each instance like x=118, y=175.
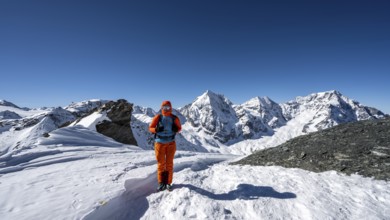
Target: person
x=165, y=126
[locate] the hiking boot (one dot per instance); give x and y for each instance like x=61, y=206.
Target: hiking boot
x=168, y=187
x=161, y=187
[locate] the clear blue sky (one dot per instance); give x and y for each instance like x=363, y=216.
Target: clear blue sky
x=54, y=52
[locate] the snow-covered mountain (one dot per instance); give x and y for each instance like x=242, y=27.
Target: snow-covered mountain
x=211, y=120
x=85, y=107
x=20, y=128
x=9, y=108
x=259, y=116
x=214, y=122
x=19, y=133
x=6, y=114
x=328, y=109
x=210, y=123
x=9, y=104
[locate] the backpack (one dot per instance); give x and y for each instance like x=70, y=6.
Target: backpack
x=159, y=124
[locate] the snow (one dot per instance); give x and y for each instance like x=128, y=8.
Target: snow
x=292, y=129
x=68, y=177
x=22, y=112
x=84, y=107
x=77, y=136
x=76, y=173
x=91, y=120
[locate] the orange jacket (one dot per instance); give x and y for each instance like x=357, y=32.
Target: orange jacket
x=153, y=124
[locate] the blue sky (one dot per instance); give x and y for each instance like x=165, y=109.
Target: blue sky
x=56, y=52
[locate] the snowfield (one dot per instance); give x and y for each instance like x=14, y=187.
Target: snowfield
x=94, y=182
x=52, y=172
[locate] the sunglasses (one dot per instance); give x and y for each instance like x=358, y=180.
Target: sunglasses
x=166, y=107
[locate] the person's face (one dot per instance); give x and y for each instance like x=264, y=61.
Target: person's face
x=166, y=108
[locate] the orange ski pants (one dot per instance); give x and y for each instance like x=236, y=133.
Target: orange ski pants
x=165, y=152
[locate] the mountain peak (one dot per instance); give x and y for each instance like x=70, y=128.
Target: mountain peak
x=257, y=102
x=330, y=92
x=210, y=97
x=7, y=103
x=214, y=115
x=330, y=97
x=84, y=107
x=210, y=93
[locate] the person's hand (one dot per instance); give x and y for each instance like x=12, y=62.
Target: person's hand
x=175, y=129
x=159, y=128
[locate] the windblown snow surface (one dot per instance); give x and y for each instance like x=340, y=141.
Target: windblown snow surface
x=68, y=177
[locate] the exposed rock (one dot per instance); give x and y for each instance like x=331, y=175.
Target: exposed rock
x=118, y=128
x=359, y=147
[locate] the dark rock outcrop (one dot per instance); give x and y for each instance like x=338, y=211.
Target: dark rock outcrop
x=118, y=128
x=359, y=147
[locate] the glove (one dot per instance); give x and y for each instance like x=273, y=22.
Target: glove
x=159, y=128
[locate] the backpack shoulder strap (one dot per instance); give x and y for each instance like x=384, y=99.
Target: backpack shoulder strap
x=174, y=117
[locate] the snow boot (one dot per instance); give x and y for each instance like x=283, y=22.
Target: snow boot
x=161, y=187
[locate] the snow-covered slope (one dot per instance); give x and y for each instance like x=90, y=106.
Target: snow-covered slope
x=91, y=120
x=140, y=120
x=79, y=180
x=19, y=134
x=259, y=116
x=20, y=128
x=84, y=107
x=10, y=108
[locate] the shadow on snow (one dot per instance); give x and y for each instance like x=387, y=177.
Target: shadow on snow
x=243, y=191
x=133, y=203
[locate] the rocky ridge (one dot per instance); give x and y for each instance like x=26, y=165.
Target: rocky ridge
x=118, y=127
x=361, y=147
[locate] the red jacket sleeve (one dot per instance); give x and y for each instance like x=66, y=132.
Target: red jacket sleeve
x=178, y=124
x=153, y=124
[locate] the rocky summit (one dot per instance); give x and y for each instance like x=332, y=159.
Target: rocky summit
x=118, y=127
x=358, y=147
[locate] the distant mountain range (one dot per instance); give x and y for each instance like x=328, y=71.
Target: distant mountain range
x=210, y=123
x=215, y=121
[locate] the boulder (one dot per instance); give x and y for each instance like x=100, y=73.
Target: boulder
x=118, y=128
